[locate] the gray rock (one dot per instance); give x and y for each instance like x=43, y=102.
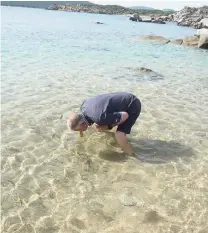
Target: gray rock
x=177, y=41
x=143, y=69
x=132, y=19
x=146, y=19
x=203, y=42
x=158, y=21
x=148, y=74
x=135, y=17
x=155, y=39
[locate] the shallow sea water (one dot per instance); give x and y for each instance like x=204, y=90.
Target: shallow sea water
x=52, y=180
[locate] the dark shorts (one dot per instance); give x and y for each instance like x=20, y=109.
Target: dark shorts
x=134, y=112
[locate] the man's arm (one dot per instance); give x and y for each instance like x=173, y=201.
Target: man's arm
x=112, y=120
x=121, y=137
x=122, y=140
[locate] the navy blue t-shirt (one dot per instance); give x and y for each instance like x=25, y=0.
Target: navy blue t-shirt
x=105, y=109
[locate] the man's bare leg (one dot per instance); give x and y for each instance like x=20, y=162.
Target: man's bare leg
x=122, y=140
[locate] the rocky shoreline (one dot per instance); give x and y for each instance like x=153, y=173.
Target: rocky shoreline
x=188, y=16
x=192, y=17
x=197, y=41
x=147, y=19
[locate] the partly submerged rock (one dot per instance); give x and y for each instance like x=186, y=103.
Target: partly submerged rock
x=203, y=42
x=146, y=19
x=135, y=17
x=191, y=41
x=177, y=41
x=132, y=19
x=145, y=74
x=99, y=23
x=148, y=73
x=158, y=21
x=160, y=39
x=143, y=69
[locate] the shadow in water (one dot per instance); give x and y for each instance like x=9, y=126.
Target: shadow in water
x=158, y=151
x=112, y=156
x=146, y=150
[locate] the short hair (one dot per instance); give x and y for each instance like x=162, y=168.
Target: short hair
x=73, y=120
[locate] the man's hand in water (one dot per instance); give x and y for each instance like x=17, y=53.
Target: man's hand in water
x=103, y=127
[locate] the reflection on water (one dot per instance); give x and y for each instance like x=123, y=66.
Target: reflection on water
x=52, y=180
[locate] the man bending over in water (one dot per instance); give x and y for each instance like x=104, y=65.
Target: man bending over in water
x=107, y=111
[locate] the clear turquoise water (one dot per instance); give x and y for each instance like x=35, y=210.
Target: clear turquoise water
x=54, y=182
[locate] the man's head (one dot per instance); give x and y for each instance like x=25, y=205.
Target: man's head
x=75, y=122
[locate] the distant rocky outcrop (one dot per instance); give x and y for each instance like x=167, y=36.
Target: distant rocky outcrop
x=41, y=4
x=191, y=17
x=198, y=41
x=146, y=19
x=105, y=9
x=188, y=16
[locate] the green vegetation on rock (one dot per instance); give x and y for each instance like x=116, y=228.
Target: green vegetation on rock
x=106, y=9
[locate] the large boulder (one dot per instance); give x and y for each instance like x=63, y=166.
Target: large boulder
x=202, y=31
x=203, y=37
x=203, y=42
x=154, y=38
x=204, y=22
x=191, y=41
